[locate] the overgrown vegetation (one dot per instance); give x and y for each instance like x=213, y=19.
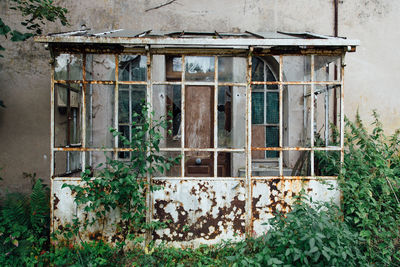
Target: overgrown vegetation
x=370, y=183
x=364, y=231
x=121, y=185
x=24, y=227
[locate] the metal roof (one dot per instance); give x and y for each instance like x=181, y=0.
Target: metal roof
x=196, y=39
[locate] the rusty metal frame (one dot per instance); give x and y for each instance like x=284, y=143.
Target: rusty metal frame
x=215, y=150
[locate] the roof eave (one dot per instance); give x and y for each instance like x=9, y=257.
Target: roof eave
x=200, y=42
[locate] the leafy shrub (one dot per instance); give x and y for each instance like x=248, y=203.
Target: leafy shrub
x=306, y=236
x=370, y=183
x=24, y=227
x=123, y=184
x=95, y=253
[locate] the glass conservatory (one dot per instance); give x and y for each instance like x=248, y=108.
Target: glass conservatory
x=254, y=116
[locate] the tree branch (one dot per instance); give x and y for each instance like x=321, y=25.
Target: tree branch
x=160, y=6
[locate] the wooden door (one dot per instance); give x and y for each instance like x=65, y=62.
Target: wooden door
x=199, y=130
x=199, y=133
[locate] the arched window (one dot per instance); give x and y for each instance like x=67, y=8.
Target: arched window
x=265, y=109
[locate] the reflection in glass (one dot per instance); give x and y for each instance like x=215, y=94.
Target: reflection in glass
x=132, y=68
x=68, y=67
x=200, y=69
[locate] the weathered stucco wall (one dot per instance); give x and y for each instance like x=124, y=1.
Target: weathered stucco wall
x=25, y=73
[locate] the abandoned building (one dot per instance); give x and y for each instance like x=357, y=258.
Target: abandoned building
x=250, y=112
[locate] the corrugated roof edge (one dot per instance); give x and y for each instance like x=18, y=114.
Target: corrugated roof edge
x=222, y=39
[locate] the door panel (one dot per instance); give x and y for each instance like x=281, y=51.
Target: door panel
x=199, y=130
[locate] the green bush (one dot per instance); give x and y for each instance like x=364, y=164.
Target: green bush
x=95, y=253
x=306, y=236
x=24, y=227
x=370, y=183
x=122, y=184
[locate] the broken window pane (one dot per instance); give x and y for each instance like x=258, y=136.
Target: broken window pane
x=67, y=115
x=67, y=163
x=100, y=67
x=199, y=69
x=68, y=67
x=130, y=102
x=199, y=164
x=132, y=68
x=231, y=164
x=326, y=116
x=167, y=106
x=296, y=163
x=327, y=69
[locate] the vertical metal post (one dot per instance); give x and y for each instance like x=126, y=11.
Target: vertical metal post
x=280, y=115
x=215, y=107
x=52, y=149
x=149, y=97
x=248, y=181
x=83, y=116
x=312, y=96
x=130, y=102
x=342, y=65
x=52, y=89
x=116, y=103
x=183, y=108
x=327, y=106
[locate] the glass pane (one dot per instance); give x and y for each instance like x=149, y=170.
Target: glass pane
x=123, y=106
x=296, y=163
x=176, y=64
x=232, y=69
x=231, y=164
x=327, y=68
x=100, y=115
x=272, y=140
x=327, y=163
x=200, y=69
x=296, y=68
x=132, y=68
x=131, y=100
x=167, y=106
x=231, y=116
x=67, y=164
x=296, y=116
x=68, y=67
x=199, y=164
x=100, y=67
x=272, y=107
x=261, y=72
x=257, y=108
x=67, y=115
x=126, y=132
x=327, y=116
